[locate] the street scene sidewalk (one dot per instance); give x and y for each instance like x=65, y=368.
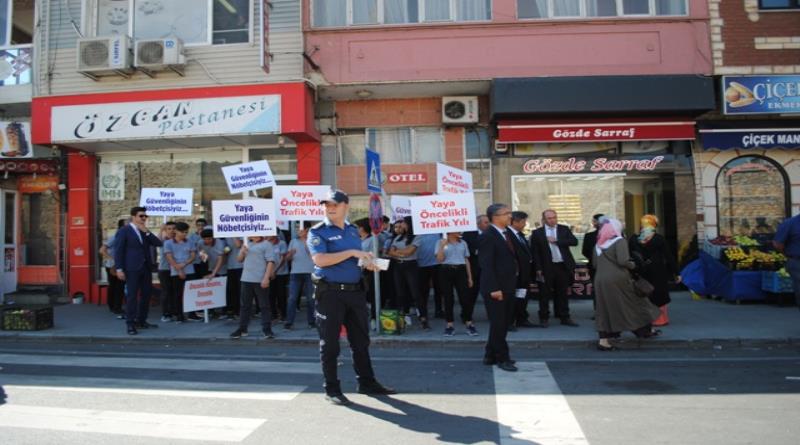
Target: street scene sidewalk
x=699, y=323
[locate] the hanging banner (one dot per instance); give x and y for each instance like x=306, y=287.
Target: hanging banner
x=245, y=217
x=444, y=213
x=112, y=181
x=204, y=294
x=167, y=202
x=452, y=180
x=300, y=202
x=401, y=207
x=15, y=140
x=250, y=176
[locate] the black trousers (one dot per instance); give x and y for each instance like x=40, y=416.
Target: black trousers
x=455, y=277
x=116, y=291
x=167, y=289
x=250, y=292
x=335, y=308
x=139, y=287
x=555, y=287
x=278, y=296
x=429, y=278
x=233, y=291
x=176, y=306
x=520, y=311
x=498, y=311
x=406, y=285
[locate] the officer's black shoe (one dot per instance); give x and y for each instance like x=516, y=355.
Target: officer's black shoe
x=374, y=388
x=338, y=399
x=507, y=366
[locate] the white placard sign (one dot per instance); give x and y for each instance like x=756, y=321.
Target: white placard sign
x=300, y=202
x=236, y=115
x=452, y=180
x=167, y=202
x=112, y=181
x=401, y=207
x=204, y=294
x=249, y=176
x=444, y=213
x=244, y=217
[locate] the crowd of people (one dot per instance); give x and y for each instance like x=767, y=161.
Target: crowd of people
x=270, y=279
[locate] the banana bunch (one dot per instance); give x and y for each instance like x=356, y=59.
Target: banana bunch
x=734, y=254
x=783, y=273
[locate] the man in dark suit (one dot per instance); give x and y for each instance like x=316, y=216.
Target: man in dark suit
x=555, y=267
x=133, y=259
x=519, y=316
x=498, y=257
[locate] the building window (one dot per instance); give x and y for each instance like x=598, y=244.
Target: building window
x=751, y=197
x=16, y=22
x=779, y=4
x=337, y=13
x=409, y=145
x=195, y=22
x=477, y=143
x=563, y=9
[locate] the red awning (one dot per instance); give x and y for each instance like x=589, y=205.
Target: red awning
x=595, y=131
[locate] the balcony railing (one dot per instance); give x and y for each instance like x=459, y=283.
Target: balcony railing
x=16, y=65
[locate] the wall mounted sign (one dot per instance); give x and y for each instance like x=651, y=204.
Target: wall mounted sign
x=406, y=178
x=761, y=94
x=15, y=140
x=592, y=165
x=725, y=139
x=112, y=181
x=28, y=166
x=567, y=132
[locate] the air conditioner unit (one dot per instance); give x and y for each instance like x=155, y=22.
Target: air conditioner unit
x=460, y=110
x=159, y=54
x=104, y=55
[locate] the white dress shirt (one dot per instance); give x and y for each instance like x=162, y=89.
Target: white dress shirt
x=554, y=250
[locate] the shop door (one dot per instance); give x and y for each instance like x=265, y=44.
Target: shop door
x=9, y=213
x=654, y=198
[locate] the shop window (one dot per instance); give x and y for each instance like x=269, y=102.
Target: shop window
x=409, y=145
x=779, y=4
x=560, y=9
x=39, y=218
x=751, y=197
x=546, y=149
x=282, y=161
x=188, y=20
x=333, y=13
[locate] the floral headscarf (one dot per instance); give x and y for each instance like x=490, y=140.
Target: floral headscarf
x=649, y=224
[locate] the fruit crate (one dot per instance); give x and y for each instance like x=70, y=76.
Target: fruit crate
x=33, y=318
x=772, y=282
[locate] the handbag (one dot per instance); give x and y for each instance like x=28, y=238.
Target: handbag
x=641, y=286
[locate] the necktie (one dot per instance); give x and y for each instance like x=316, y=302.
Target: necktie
x=513, y=251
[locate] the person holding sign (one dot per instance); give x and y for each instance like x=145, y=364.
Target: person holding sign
x=455, y=272
x=403, y=252
x=259, y=265
x=335, y=249
x=180, y=253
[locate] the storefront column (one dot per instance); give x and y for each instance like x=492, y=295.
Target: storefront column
x=309, y=161
x=82, y=174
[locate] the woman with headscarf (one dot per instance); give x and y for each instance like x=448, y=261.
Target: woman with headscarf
x=619, y=308
x=655, y=264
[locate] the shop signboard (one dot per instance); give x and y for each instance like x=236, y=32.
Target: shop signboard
x=401, y=207
x=299, y=202
x=167, y=202
x=444, y=213
x=452, y=180
x=15, y=140
x=761, y=94
x=204, y=294
x=762, y=138
x=594, y=165
x=37, y=184
x=248, y=176
x=28, y=166
x=570, y=132
x=217, y=116
x=406, y=177
x=244, y=217
x=112, y=181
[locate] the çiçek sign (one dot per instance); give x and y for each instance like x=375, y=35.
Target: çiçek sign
x=598, y=165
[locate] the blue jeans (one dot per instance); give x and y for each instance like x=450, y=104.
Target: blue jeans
x=300, y=283
x=793, y=267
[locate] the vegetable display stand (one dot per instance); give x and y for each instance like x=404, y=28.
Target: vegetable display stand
x=744, y=286
x=778, y=288
x=32, y=318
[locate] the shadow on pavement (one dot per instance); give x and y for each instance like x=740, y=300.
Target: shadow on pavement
x=449, y=427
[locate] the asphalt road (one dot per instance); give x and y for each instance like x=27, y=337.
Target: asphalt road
x=124, y=394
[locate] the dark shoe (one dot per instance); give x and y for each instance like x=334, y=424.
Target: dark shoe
x=606, y=348
x=425, y=325
x=120, y=316
x=239, y=333
x=146, y=325
x=267, y=333
x=507, y=366
x=543, y=323
x=287, y=327
x=525, y=324
x=193, y=317
x=491, y=361
x=338, y=399
x=471, y=331
x=374, y=388
x=132, y=330
x=569, y=322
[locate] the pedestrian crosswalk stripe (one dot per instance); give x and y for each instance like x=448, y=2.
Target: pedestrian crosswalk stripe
x=156, y=363
x=532, y=409
x=159, y=425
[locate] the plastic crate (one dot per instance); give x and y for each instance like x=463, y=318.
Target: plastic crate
x=772, y=282
x=27, y=318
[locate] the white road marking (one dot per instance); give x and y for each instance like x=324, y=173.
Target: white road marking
x=164, y=426
x=792, y=378
x=532, y=409
x=154, y=363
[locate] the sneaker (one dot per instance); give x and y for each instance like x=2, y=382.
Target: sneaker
x=267, y=333
x=408, y=320
x=471, y=331
x=449, y=331
x=239, y=333
x=166, y=319
x=193, y=317
x=287, y=326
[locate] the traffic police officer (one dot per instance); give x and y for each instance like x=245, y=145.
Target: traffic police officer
x=340, y=297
